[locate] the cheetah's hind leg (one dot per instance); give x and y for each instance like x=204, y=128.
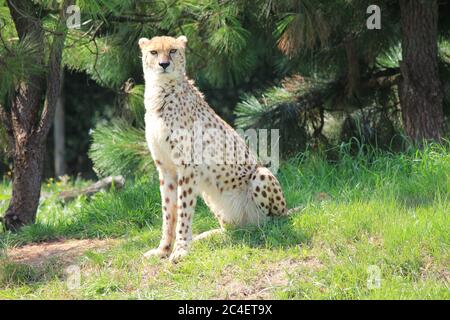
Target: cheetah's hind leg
x=266, y=193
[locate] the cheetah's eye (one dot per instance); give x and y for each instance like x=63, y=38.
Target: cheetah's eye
x=153, y=52
x=173, y=50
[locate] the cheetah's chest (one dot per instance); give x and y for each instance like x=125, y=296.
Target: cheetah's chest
x=157, y=131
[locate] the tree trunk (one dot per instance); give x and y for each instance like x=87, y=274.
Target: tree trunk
x=28, y=163
x=420, y=88
x=27, y=156
x=353, y=70
x=59, y=135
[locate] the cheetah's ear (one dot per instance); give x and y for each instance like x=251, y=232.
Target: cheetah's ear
x=143, y=42
x=183, y=40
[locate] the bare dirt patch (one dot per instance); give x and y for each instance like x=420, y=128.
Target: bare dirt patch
x=275, y=275
x=65, y=251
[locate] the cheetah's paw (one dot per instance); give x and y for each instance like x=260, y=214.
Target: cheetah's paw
x=178, y=254
x=158, y=252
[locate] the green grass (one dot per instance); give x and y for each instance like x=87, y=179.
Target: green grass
x=377, y=210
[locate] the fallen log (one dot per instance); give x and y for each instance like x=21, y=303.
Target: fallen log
x=102, y=185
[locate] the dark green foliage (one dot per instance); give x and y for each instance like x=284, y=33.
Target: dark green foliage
x=16, y=65
x=222, y=38
x=118, y=148
x=133, y=104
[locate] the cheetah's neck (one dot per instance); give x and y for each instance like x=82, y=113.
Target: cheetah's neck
x=159, y=92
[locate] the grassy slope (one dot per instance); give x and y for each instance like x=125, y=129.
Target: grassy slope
x=391, y=212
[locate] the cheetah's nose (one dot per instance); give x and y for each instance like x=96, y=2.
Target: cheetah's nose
x=164, y=64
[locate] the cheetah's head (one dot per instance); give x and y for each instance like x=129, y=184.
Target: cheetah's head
x=163, y=56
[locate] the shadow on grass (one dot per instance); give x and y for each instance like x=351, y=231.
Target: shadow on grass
x=276, y=233
x=14, y=274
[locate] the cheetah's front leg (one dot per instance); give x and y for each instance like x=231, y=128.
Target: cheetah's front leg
x=168, y=189
x=187, y=199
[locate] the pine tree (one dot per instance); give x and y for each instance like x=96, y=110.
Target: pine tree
x=23, y=85
x=349, y=67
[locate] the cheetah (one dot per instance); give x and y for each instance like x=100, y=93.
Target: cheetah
x=238, y=191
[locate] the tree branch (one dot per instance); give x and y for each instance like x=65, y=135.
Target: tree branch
x=382, y=79
x=315, y=99
x=135, y=19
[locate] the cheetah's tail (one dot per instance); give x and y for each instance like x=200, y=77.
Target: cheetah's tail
x=297, y=209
